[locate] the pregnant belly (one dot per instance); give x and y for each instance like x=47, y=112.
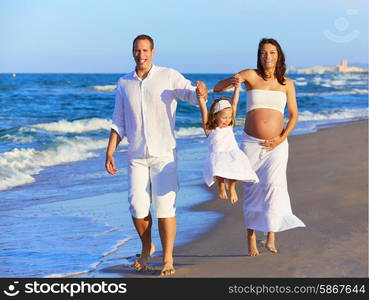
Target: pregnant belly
x=264, y=123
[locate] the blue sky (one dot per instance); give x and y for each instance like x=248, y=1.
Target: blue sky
x=201, y=36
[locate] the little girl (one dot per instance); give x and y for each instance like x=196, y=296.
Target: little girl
x=225, y=160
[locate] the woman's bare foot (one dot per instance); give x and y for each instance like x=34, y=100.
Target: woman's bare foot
x=167, y=269
x=270, y=243
x=251, y=237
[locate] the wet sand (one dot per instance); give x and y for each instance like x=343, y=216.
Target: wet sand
x=328, y=185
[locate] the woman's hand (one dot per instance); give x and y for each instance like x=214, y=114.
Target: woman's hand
x=269, y=145
x=235, y=81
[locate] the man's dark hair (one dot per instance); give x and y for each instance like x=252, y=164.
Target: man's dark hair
x=143, y=37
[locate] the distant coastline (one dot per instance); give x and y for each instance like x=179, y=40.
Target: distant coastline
x=342, y=67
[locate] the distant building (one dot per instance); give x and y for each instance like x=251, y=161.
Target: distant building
x=342, y=67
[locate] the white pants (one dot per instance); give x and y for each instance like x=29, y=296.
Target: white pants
x=152, y=180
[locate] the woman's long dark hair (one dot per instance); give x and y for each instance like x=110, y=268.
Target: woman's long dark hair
x=280, y=68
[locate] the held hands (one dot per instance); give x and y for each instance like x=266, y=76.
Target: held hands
x=269, y=145
x=236, y=80
x=201, y=91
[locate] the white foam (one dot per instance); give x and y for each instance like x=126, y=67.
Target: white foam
x=341, y=93
x=57, y=275
x=190, y=131
x=105, y=232
x=104, y=88
x=92, y=266
x=77, y=126
x=338, y=82
x=337, y=114
x=17, y=139
x=300, y=83
x=18, y=165
x=12, y=178
x=116, y=246
x=359, y=82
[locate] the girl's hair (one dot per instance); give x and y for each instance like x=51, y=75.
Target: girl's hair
x=280, y=69
x=212, y=123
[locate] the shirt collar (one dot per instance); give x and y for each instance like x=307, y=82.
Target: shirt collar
x=152, y=71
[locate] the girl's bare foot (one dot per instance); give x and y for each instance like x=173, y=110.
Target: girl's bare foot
x=222, y=191
x=233, y=193
x=251, y=237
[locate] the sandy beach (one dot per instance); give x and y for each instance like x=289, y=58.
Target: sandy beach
x=328, y=185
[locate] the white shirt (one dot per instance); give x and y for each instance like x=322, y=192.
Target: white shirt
x=145, y=110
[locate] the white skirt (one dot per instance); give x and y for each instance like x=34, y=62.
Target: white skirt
x=225, y=159
x=267, y=205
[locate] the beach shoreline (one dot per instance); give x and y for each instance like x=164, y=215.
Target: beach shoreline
x=328, y=185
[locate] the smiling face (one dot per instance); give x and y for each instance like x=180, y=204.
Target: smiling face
x=224, y=117
x=143, y=54
x=268, y=56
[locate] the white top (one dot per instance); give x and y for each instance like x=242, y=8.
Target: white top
x=257, y=98
x=145, y=110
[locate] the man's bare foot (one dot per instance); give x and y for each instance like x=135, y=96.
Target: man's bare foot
x=253, y=249
x=167, y=270
x=142, y=262
x=222, y=191
x=233, y=195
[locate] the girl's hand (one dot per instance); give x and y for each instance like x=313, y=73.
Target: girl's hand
x=269, y=145
x=201, y=91
x=237, y=80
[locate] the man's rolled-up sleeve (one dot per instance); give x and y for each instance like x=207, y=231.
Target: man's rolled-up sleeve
x=118, y=114
x=183, y=89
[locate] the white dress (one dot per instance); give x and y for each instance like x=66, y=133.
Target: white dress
x=225, y=159
x=267, y=205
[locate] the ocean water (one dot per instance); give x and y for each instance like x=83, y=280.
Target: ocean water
x=62, y=215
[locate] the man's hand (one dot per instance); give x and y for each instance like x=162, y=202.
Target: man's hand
x=201, y=91
x=110, y=165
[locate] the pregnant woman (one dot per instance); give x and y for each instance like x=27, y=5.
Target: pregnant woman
x=267, y=205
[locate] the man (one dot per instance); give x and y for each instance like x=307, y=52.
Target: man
x=145, y=106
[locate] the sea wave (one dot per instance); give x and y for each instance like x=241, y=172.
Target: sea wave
x=336, y=114
x=18, y=165
x=77, y=126
x=17, y=139
x=332, y=93
x=189, y=132
x=116, y=246
x=92, y=266
x=104, y=88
